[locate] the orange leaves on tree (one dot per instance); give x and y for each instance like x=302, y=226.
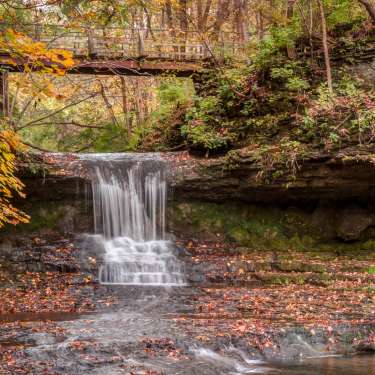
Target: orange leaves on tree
x=35, y=55
x=9, y=183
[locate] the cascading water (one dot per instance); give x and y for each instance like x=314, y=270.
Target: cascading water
x=129, y=200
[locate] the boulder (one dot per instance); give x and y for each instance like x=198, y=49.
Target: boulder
x=352, y=222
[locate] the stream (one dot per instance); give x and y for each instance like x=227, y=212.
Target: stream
x=141, y=337
x=150, y=330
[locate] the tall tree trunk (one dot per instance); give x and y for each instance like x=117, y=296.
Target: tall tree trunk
x=91, y=47
x=311, y=28
x=222, y=14
x=259, y=25
x=370, y=9
x=125, y=106
x=169, y=14
x=182, y=14
x=184, y=25
x=203, y=11
x=325, y=46
x=199, y=14
x=108, y=104
x=4, y=95
x=289, y=15
x=239, y=7
x=290, y=9
x=138, y=113
x=206, y=13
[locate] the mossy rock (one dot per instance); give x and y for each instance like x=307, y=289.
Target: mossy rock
x=290, y=266
x=264, y=228
x=282, y=279
x=313, y=267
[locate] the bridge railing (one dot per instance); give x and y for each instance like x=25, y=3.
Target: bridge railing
x=111, y=43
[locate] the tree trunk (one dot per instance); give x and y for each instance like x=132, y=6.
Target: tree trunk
x=203, y=12
x=290, y=9
x=182, y=14
x=325, y=46
x=125, y=106
x=206, y=14
x=108, y=104
x=239, y=6
x=4, y=95
x=169, y=14
x=259, y=25
x=199, y=15
x=289, y=15
x=222, y=14
x=370, y=9
x=184, y=24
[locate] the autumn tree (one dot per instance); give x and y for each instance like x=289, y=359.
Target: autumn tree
x=10, y=185
x=22, y=50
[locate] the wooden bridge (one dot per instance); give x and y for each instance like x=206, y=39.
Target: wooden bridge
x=123, y=51
x=131, y=51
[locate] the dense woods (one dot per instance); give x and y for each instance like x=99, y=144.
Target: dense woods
x=277, y=75
x=187, y=187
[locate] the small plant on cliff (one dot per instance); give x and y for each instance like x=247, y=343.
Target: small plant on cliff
x=10, y=185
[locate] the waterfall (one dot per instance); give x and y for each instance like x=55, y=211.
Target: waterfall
x=129, y=207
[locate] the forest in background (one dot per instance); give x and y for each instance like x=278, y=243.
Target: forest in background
x=293, y=88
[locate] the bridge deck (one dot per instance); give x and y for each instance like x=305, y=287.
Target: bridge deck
x=131, y=51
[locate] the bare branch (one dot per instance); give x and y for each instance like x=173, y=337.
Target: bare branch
x=59, y=110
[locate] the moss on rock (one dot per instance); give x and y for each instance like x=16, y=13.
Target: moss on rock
x=260, y=227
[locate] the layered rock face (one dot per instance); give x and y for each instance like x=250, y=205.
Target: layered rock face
x=328, y=197
x=341, y=176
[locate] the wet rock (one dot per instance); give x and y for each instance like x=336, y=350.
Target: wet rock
x=323, y=221
x=42, y=339
x=35, y=267
x=183, y=252
x=313, y=267
x=273, y=279
x=297, y=266
x=196, y=278
x=367, y=345
x=19, y=256
x=18, y=268
x=289, y=266
x=61, y=267
x=323, y=279
x=262, y=266
x=241, y=250
x=352, y=222
x=240, y=266
x=6, y=247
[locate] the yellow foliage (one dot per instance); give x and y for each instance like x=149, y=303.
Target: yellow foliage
x=10, y=185
x=35, y=55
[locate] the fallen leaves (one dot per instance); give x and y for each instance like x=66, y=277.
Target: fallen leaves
x=42, y=293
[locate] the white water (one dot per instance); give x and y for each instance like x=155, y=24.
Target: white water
x=235, y=363
x=129, y=199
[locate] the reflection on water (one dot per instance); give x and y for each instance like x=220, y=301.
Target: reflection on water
x=235, y=362
x=55, y=316
x=358, y=365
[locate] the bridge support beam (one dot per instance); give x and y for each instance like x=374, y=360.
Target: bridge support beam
x=4, y=94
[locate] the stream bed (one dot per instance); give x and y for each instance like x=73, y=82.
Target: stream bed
x=142, y=334
x=128, y=298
